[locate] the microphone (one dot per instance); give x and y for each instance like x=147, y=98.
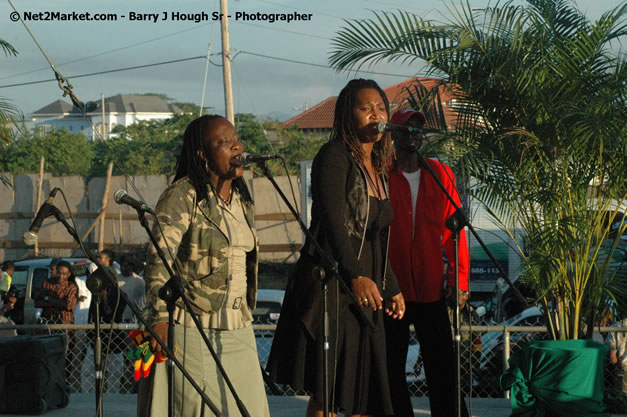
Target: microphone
x=122, y=197
x=30, y=236
x=383, y=127
x=251, y=158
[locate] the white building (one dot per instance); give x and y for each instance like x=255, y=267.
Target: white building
x=119, y=110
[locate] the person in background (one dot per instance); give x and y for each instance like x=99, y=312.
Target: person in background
x=79, y=340
x=8, y=302
x=135, y=289
x=133, y=286
x=58, y=297
x=418, y=237
x=206, y=220
x=8, y=267
x=351, y=215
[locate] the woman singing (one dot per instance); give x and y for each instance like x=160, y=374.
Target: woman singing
x=351, y=215
x=207, y=220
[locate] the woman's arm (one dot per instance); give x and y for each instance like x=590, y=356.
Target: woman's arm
x=329, y=181
x=173, y=211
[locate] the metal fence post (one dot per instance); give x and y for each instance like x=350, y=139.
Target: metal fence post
x=506, y=353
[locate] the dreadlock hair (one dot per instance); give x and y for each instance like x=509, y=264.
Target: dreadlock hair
x=191, y=165
x=344, y=125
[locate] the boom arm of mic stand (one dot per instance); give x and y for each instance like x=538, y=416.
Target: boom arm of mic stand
x=329, y=264
x=463, y=221
x=111, y=281
x=174, y=288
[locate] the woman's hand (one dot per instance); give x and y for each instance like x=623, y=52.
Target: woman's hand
x=396, y=306
x=367, y=293
x=161, y=329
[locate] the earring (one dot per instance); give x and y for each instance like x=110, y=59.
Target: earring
x=207, y=166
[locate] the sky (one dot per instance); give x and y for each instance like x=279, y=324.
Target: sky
x=268, y=84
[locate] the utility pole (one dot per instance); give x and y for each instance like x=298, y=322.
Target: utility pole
x=104, y=129
x=204, y=83
x=226, y=62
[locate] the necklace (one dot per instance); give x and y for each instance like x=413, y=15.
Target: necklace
x=375, y=186
x=229, y=199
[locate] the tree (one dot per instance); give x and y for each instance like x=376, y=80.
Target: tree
x=148, y=147
x=65, y=153
x=541, y=104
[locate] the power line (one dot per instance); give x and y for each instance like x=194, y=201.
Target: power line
x=110, y=51
x=316, y=65
x=276, y=58
x=108, y=71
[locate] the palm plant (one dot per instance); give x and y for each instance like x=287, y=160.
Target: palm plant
x=541, y=130
x=9, y=114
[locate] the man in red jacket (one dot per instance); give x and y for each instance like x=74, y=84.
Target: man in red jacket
x=418, y=237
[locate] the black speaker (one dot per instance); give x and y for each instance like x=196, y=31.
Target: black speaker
x=32, y=373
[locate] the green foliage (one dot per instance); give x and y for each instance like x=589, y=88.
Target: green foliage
x=65, y=154
x=143, y=148
x=147, y=148
x=9, y=114
x=541, y=104
x=291, y=144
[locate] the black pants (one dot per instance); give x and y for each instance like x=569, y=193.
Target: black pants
x=433, y=329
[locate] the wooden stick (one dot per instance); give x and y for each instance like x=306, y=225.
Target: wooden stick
x=39, y=189
x=105, y=201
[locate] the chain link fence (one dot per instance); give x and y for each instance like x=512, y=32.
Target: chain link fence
x=483, y=356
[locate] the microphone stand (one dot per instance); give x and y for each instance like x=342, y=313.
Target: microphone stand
x=170, y=292
x=456, y=222
x=324, y=272
x=102, y=278
x=95, y=284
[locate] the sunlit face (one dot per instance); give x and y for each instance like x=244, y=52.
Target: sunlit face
x=64, y=274
x=369, y=109
x=222, y=148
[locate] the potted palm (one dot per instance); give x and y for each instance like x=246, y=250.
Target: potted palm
x=540, y=97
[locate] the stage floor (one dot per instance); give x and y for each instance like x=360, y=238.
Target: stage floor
x=120, y=405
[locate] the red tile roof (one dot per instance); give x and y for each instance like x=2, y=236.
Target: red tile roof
x=321, y=115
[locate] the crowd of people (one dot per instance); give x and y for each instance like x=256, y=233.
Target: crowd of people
x=377, y=212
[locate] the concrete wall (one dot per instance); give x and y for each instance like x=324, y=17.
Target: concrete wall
x=280, y=237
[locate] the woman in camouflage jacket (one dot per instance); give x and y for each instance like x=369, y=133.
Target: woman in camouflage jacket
x=206, y=226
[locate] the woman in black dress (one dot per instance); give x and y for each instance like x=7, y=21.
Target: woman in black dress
x=351, y=215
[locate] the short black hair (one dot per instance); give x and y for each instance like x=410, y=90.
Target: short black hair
x=127, y=259
x=8, y=265
x=109, y=254
x=68, y=265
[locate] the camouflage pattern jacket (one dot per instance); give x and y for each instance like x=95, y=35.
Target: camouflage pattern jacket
x=196, y=236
